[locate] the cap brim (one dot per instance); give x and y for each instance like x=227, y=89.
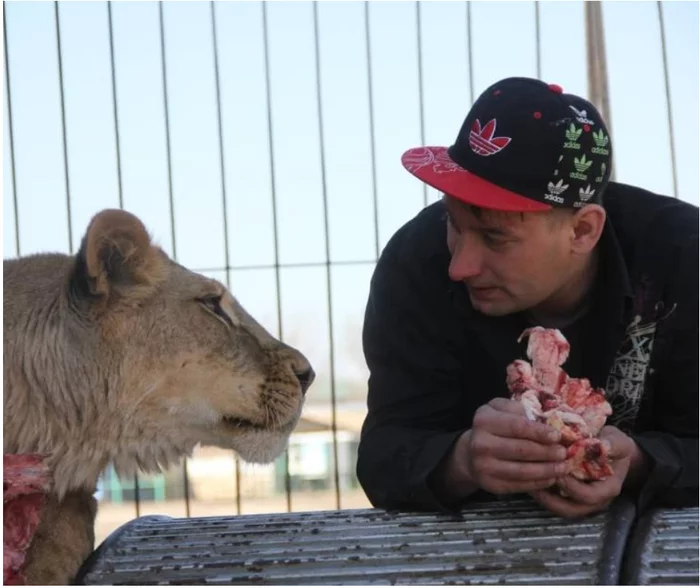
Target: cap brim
x=434, y=166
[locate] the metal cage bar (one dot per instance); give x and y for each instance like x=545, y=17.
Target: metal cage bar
x=64, y=130
x=669, y=109
x=275, y=220
x=324, y=188
x=11, y=132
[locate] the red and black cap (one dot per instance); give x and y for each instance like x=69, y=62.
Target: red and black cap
x=524, y=146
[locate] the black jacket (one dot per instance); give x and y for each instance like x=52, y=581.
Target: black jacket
x=433, y=360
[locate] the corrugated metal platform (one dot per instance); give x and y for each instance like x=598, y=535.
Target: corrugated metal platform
x=663, y=549
x=507, y=542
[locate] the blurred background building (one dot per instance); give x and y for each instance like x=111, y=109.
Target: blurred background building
x=261, y=142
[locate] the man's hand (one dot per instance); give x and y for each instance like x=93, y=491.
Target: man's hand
x=584, y=498
x=503, y=453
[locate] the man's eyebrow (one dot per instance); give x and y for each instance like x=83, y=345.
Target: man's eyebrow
x=496, y=231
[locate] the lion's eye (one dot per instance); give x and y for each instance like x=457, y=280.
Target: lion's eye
x=213, y=303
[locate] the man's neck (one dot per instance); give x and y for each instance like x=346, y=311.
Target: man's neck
x=571, y=301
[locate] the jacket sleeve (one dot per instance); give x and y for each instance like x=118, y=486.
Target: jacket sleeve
x=414, y=396
x=671, y=442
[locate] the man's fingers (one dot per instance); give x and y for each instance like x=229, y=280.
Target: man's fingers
x=524, y=471
x=534, y=486
x=508, y=487
x=524, y=450
x=564, y=507
x=507, y=405
x=590, y=492
x=514, y=426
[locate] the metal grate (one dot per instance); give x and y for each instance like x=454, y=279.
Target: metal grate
x=509, y=542
x=664, y=549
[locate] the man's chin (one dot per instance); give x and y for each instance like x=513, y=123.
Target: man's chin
x=492, y=307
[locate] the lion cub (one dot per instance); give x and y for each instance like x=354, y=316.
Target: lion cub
x=120, y=355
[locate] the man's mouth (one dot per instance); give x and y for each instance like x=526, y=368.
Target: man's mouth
x=484, y=292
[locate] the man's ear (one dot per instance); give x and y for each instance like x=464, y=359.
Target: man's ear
x=588, y=224
x=117, y=259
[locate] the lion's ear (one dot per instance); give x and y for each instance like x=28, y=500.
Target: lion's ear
x=118, y=258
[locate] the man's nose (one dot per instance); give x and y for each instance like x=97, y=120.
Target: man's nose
x=466, y=263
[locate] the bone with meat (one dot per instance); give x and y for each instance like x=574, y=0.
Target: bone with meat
x=26, y=482
x=570, y=405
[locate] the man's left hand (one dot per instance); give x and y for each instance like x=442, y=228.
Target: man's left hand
x=584, y=498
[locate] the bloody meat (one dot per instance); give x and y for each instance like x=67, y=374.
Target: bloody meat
x=570, y=405
x=26, y=482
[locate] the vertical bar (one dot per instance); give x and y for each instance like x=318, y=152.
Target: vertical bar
x=137, y=495
x=113, y=71
x=110, y=27
x=372, y=145
x=322, y=151
x=186, y=488
x=221, y=138
x=10, y=131
x=669, y=109
x=186, y=485
x=237, y=463
x=597, y=67
x=273, y=188
x=167, y=128
x=63, y=126
x=227, y=262
x=420, y=91
x=116, y=110
x=470, y=52
x=538, y=43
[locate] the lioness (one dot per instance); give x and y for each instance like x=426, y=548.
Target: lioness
x=118, y=354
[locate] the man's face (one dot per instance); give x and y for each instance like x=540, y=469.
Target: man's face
x=509, y=262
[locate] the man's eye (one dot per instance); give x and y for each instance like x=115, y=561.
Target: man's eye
x=493, y=240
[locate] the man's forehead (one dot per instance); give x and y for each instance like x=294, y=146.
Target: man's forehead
x=485, y=218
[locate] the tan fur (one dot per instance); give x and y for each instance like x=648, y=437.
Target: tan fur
x=112, y=356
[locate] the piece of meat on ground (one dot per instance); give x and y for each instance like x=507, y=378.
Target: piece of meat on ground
x=26, y=482
x=587, y=460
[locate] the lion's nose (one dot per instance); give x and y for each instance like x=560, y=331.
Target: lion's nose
x=306, y=378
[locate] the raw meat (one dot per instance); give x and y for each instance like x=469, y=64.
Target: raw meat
x=548, y=349
x=570, y=405
x=26, y=481
x=571, y=426
x=588, y=459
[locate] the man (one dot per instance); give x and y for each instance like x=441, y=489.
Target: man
x=530, y=232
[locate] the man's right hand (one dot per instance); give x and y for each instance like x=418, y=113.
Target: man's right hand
x=503, y=453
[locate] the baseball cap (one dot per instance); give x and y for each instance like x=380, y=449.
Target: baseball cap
x=524, y=146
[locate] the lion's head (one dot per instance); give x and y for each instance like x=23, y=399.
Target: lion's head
x=120, y=354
